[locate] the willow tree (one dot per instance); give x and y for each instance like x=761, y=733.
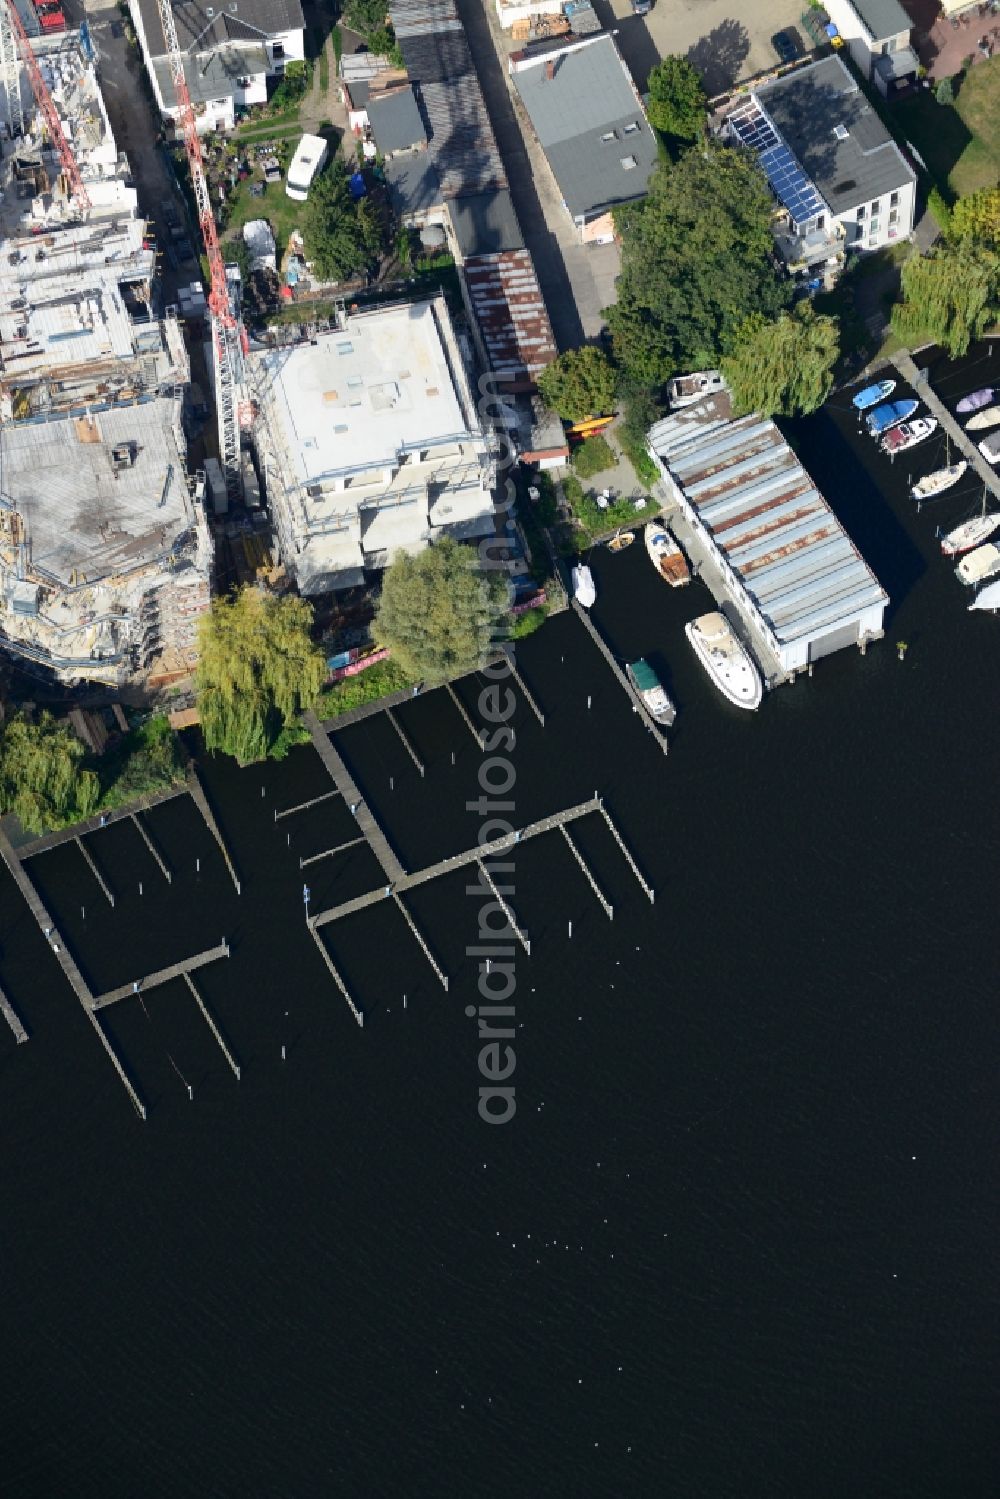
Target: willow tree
x=42, y=778
x=977, y=216
x=440, y=614
x=785, y=367
x=258, y=668
x=950, y=296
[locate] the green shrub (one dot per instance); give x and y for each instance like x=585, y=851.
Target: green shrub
x=528, y=622
x=945, y=92
x=939, y=210
x=592, y=457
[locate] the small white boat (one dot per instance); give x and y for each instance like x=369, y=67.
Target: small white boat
x=976, y=401
x=980, y=564
x=684, y=390
x=987, y=598
x=984, y=419
x=990, y=447
x=937, y=482
x=908, y=434
x=649, y=687
x=726, y=659
x=971, y=533
x=665, y=555
x=584, y=588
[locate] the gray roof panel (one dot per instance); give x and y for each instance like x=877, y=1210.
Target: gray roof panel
x=395, y=121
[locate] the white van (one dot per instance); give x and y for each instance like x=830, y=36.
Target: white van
x=310, y=158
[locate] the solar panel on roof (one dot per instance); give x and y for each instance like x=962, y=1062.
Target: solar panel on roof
x=783, y=172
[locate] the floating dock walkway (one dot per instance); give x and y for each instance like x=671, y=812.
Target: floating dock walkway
x=161, y=976
x=13, y=1019
x=201, y=802
x=342, y=779
x=605, y=650
x=104, y=820
x=918, y=379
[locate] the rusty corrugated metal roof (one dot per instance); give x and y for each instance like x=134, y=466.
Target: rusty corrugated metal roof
x=510, y=311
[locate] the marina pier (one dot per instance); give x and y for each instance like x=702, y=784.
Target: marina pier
x=344, y=782
x=917, y=378
x=13, y=1019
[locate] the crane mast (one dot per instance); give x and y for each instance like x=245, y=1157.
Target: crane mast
x=227, y=330
x=13, y=37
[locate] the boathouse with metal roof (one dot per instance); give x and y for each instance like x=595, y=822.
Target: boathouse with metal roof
x=795, y=578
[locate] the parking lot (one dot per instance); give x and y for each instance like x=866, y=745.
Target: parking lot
x=725, y=39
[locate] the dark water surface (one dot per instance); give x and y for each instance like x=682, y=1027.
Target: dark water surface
x=739, y=1238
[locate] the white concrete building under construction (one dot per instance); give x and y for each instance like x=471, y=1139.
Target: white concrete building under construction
x=770, y=546
x=370, y=444
x=105, y=560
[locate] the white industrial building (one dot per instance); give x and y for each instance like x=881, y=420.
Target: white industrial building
x=105, y=560
x=370, y=444
x=798, y=583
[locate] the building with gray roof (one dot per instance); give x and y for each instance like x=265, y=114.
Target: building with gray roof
x=797, y=582
x=590, y=123
x=395, y=122
x=877, y=33
x=842, y=181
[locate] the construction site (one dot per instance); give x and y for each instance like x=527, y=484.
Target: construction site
x=105, y=556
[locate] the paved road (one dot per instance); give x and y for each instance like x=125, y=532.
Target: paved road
x=568, y=286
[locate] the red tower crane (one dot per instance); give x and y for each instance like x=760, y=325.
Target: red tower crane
x=44, y=101
x=229, y=335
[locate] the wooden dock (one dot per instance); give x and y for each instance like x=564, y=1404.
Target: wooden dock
x=405, y=740
x=201, y=802
x=210, y=1022
x=158, y=858
x=88, y=859
x=917, y=378
x=103, y=820
x=313, y=801
x=161, y=976
x=465, y=715
x=623, y=681
x=526, y=692
x=13, y=1019
x=34, y=903
x=475, y=855
x=342, y=779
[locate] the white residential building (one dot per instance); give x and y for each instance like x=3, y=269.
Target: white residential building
x=842, y=182
x=230, y=51
x=369, y=442
x=877, y=34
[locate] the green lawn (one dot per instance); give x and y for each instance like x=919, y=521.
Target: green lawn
x=282, y=212
x=961, y=142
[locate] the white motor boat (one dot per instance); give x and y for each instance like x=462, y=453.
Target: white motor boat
x=584, y=588
x=980, y=564
x=971, y=533
x=649, y=687
x=684, y=390
x=726, y=659
x=908, y=434
x=987, y=598
x=941, y=479
x=990, y=447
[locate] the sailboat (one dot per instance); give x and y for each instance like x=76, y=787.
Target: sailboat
x=971, y=533
x=980, y=564
x=584, y=588
x=941, y=479
x=987, y=598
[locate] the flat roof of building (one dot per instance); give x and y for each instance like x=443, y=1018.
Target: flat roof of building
x=353, y=399
x=590, y=123
x=85, y=513
x=837, y=138
x=882, y=17
x=783, y=542
x=485, y=223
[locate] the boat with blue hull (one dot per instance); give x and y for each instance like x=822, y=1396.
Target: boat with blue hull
x=889, y=415
x=872, y=394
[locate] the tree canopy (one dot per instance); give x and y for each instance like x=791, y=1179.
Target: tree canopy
x=341, y=237
x=258, y=668
x=578, y=384
x=696, y=263
x=977, y=216
x=676, y=99
x=951, y=295
x=42, y=778
x=440, y=614
x=785, y=367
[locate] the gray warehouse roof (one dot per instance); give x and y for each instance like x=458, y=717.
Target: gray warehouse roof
x=395, y=121
x=882, y=17
x=807, y=107
x=779, y=536
x=486, y=224
x=413, y=183
x=590, y=124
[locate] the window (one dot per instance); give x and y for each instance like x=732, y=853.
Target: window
x=861, y=213
x=608, y=136
x=893, y=217
x=631, y=128
x=893, y=233
x=873, y=227
x=820, y=220
x=277, y=49
x=893, y=200
x=874, y=207
x=628, y=162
